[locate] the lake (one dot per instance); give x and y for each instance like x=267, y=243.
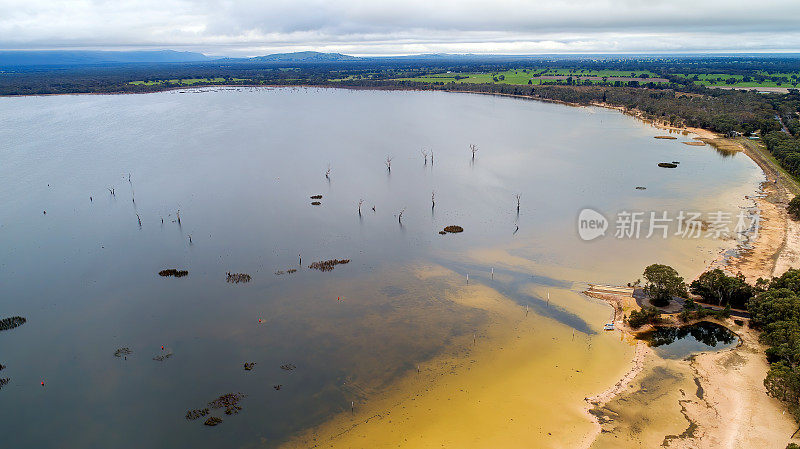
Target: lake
x=240, y=165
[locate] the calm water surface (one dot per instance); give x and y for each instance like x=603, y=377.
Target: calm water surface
x=680, y=342
x=240, y=166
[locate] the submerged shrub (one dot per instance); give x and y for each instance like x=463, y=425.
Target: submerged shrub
x=328, y=265
x=11, y=322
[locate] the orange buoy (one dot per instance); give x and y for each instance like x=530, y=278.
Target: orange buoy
x=42, y=383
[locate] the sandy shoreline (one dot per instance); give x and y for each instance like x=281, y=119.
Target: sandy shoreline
x=730, y=407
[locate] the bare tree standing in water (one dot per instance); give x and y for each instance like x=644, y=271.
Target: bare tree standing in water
x=389, y=163
x=474, y=149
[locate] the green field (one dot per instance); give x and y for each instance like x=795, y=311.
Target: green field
x=523, y=76
x=790, y=80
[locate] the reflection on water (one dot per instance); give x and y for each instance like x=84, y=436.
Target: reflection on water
x=222, y=181
x=679, y=342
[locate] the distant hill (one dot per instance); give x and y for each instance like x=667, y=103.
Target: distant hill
x=304, y=56
x=85, y=57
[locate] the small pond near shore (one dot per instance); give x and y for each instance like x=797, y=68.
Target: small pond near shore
x=680, y=342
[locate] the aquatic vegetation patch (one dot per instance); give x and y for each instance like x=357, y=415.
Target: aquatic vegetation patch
x=230, y=402
x=316, y=197
x=11, y=322
x=641, y=188
x=248, y=366
x=197, y=413
x=122, y=352
x=162, y=357
x=4, y=381
x=213, y=421
x=288, y=367
x=289, y=271
x=453, y=229
x=173, y=273
x=695, y=143
x=667, y=165
x=315, y=203
x=327, y=265
x=236, y=278
x=277, y=387
x=666, y=137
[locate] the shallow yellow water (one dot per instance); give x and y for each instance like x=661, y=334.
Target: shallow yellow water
x=520, y=384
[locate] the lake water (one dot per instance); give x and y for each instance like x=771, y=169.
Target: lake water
x=240, y=166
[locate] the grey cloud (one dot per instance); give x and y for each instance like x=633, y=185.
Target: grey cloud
x=401, y=26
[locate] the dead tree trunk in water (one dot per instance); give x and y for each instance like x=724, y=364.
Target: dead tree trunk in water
x=433, y=199
x=389, y=163
x=474, y=149
x=360, y=202
x=517, y=196
x=425, y=155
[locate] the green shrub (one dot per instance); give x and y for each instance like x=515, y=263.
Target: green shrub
x=648, y=315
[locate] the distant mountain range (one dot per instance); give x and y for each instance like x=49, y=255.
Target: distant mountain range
x=304, y=56
x=55, y=58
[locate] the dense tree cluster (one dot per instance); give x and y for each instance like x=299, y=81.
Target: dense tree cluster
x=715, y=287
x=776, y=312
x=786, y=150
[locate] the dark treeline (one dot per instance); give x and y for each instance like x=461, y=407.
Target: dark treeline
x=786, y=150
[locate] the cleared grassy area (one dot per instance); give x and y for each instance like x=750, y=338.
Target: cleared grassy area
x=536, y=76
x=186, y=81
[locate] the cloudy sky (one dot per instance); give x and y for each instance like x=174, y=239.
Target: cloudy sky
x=391, y=27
